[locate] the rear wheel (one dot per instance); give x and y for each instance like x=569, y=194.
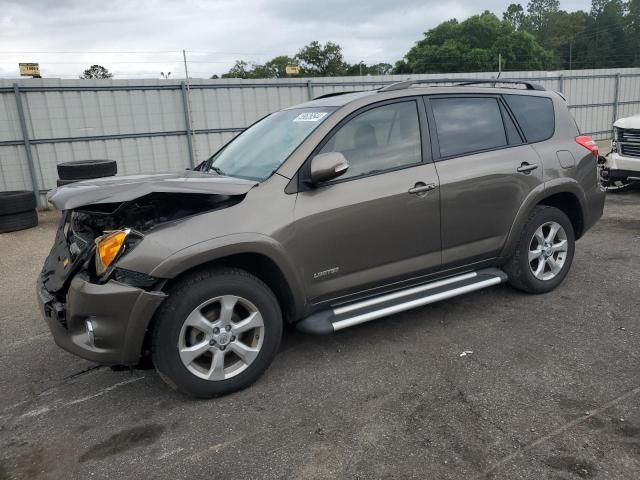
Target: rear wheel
x=544, y=251
x=217, y=332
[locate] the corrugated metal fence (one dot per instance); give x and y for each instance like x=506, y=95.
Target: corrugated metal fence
x=158, y=125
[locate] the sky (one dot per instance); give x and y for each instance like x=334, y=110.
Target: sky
x=141, y=38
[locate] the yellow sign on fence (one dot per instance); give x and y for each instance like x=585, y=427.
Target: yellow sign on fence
x=29, y=69
x=293, y=69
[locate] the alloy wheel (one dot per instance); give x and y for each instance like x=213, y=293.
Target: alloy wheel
x=548, y=251
x=221, y=337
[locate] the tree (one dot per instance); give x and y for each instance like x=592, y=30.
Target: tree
x=274, y=68
x=96, y=71
x=363, y=69
x=278, y=65
x=606, y=41
x=515, y=16
x=474, y=46
x=321, y=60
x=538, y=13
x=634, y=30
x=241, y=69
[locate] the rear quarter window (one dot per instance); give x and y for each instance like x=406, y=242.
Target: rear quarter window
x=535, y=115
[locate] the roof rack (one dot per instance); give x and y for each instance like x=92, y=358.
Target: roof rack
x=459, y=82
x=335, y=94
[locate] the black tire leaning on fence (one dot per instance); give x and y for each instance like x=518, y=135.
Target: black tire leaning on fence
x=87, y=169
x=18, y=221
x=17, y=201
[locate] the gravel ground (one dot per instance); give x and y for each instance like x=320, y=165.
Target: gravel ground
x=550, y=390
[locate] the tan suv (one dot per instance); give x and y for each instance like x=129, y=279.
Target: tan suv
x=324, y=215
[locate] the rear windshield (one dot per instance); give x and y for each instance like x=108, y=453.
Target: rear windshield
x=535, y=116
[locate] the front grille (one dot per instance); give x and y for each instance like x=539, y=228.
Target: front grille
x=630, y=150
x=629, y=141
x=629, y=135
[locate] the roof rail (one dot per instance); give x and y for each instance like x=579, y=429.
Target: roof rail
x=335, y=94
x=459, y=82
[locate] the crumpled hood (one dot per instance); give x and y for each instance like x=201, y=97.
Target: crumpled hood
x=125, y=188
x=628, y=122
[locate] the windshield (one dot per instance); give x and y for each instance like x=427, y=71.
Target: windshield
x=258, y=151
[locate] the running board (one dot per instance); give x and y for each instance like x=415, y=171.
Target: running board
x=344, y=316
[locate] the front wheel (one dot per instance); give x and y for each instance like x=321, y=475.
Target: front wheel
x=218, y=331
x=544, y=251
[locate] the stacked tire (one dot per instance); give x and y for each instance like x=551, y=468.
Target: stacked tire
x=69, y=172
x=17, y=211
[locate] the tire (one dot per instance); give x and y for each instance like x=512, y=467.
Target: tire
x=87, y=169
x=62, y=183
x=17, y=201
x=18, y=221
x=521, y=271
x=201, y=292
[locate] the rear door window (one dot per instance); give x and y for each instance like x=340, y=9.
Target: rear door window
x=535, y=116
x=465, y=125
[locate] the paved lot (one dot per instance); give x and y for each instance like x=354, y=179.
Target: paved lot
x=551, y=390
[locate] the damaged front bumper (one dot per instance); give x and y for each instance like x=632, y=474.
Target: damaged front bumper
x=619, y=167
x=105, y=323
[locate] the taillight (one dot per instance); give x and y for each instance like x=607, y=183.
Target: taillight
x=588, y=143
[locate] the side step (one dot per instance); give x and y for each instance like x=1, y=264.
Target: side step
x=344, y=316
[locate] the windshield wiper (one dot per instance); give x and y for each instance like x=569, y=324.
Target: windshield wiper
x=218, y=170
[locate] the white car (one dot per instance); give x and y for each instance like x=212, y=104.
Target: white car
x=621, y=168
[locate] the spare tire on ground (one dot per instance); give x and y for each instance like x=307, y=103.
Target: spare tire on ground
x=17, y=201
x=18, y=221
x=87, y=169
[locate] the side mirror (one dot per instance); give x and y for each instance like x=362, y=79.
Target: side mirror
x=327, y=166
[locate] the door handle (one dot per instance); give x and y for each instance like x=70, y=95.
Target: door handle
x=421, y=188
x=526, y=167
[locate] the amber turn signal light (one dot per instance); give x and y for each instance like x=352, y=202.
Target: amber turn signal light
x=108, y=246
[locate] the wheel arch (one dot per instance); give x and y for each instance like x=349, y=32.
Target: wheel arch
x=257, y=264
x=259, y=259
x=258, y=254
x=564, y=194
x=568, y=203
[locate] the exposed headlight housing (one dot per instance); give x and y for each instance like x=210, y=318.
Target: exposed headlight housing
x=109, y=247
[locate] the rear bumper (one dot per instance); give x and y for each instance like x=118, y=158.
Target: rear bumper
x=118, y=316
x=595, y=207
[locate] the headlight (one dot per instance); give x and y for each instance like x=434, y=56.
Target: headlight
x=108, y=248
x=615, y=134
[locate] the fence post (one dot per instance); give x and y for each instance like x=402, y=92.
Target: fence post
x=187, y=122
x=561, y=84
x=26, y=143
x=616, y=99
x=310, y=89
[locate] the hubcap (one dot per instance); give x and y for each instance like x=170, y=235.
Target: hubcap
x=221, y=337
x=548, y=251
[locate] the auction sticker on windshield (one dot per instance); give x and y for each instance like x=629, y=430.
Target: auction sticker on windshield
x=310, y=116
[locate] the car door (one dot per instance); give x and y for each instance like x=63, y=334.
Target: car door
x=486, y=171
x=380, y=221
